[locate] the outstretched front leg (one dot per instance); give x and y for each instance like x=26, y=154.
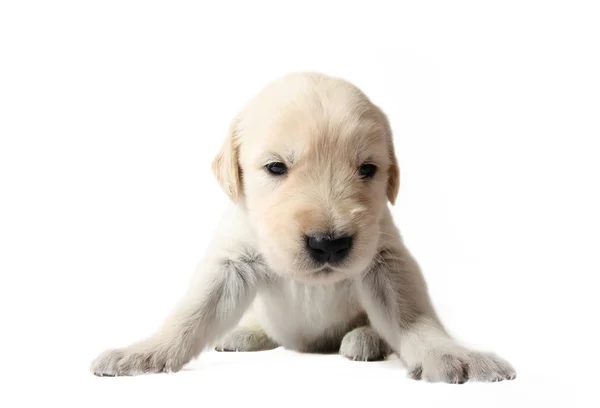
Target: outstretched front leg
x=394, y=294
x=220, y=292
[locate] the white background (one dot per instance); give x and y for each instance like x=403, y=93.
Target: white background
x=110, y=113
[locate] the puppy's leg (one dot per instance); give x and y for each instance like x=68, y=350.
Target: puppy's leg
x=395, y=297
x=247, y=336
x=364, y=344
x=216, y=300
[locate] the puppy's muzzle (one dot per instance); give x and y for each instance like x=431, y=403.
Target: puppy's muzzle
x=331, y=250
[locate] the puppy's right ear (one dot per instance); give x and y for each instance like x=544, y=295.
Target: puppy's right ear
x=226, y=166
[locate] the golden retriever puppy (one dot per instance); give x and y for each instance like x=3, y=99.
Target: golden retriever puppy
x=308, y=257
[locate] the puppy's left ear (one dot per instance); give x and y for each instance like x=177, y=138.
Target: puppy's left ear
x=393, y=186
x=226, y=167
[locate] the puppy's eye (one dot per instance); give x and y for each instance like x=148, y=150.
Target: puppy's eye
x=276, y=168
x=367, y=170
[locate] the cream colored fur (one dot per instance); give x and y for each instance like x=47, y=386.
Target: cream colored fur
x=258, y=270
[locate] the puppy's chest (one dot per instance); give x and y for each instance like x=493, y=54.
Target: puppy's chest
x=297, y=310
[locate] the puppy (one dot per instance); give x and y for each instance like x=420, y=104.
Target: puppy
x=308, y=256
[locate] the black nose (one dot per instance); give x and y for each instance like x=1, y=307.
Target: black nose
x=323, y=249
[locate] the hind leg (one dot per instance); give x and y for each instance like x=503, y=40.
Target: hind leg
x=248, y=336
x=364, y=344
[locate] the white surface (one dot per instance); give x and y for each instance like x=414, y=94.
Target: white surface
x=111, y=112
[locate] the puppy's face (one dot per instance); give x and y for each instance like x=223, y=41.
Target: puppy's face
x=312, y=162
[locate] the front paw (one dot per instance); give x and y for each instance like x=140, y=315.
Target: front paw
x=364, y=344
x=457, y=366
x=135, y=360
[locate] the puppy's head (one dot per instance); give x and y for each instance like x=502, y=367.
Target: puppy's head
x=312, y=162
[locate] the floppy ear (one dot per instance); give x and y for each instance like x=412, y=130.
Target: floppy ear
x=226, y=167
x=393, y=176
x=394, y=171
